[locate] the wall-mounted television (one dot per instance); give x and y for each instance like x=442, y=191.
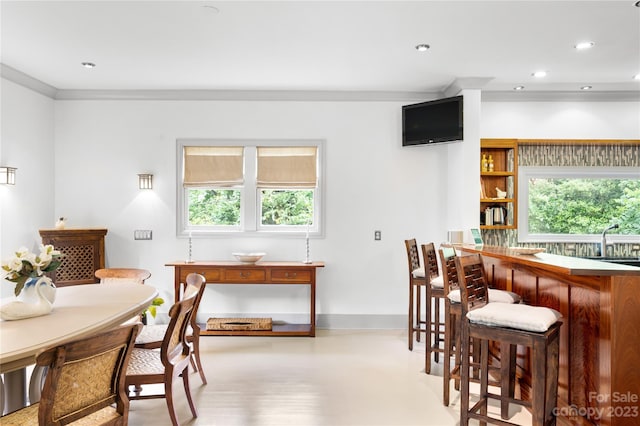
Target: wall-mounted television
x=432, y=122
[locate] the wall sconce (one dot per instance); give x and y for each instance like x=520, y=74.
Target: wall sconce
x=145, y=181
x=8, y=175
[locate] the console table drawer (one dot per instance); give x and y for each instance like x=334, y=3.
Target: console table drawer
x=237, y=275
x=290, y=276
x=210, y=275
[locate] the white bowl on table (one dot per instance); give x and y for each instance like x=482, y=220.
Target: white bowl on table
x=248, y=257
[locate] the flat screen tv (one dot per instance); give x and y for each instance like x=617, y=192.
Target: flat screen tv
x=432, y=122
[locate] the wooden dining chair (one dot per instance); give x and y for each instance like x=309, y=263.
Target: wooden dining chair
x=151, y=336
x=85, y=382
x=116, y=275
x=164, y=366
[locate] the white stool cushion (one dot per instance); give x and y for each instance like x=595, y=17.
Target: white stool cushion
x=437, y=282
x=495, y=296
x=418, y=273
x=518, y=316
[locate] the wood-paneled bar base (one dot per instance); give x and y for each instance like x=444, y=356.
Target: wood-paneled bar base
x=237, y=273
x=599, y=373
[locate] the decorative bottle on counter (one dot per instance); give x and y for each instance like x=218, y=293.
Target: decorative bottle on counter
x=490, y=165
x=484, y=164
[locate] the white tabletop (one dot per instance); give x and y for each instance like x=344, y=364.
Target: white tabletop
x=78, y=311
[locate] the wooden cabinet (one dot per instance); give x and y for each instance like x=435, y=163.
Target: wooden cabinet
x=497, y=212
x=83, y=251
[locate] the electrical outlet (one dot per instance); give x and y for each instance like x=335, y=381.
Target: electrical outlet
x=377, y=235
x=635, y=247
x=142, y=234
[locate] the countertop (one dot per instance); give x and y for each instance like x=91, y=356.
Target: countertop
x=556, y=263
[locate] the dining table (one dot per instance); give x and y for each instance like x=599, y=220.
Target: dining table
x=78, y=311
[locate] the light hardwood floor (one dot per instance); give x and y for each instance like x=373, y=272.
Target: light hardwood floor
x=338, y=378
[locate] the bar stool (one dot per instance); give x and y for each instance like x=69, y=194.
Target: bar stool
x=453, y=312
x=509, y=325
x=435, y=293
x=417, y=280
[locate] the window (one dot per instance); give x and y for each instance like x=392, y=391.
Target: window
x=249, y=187
x=575, y=204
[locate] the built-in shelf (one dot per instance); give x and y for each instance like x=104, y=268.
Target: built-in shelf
x=503, y=175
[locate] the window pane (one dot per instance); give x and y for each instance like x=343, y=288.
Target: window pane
x=287, y=207
x=214, y=207
x=583, y=206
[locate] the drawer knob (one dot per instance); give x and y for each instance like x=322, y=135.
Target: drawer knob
x=290, y=275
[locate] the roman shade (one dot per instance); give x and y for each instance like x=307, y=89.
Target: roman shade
x=287, y=167
x=213, y=165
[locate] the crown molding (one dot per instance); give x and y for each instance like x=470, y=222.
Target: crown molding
x=560, y=96
x=52, y=92
x=27, y=81
x=246, y=95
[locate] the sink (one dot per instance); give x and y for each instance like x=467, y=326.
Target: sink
x=632, y=261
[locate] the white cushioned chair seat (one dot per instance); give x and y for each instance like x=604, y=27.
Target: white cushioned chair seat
x=518, y=316
x=418, y=273
x=437, y=282
x=495, y=296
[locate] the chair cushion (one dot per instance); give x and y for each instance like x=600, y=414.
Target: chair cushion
x=144, y=362
x=29, y=416
x=418, y=273
x=437, y=282
x=151, y=334
x=495, y=296
x=518, y=316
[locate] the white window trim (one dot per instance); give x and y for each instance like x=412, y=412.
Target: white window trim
x=526, y=172
x=249, y=209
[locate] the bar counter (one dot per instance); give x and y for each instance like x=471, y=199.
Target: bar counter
x=599, y=377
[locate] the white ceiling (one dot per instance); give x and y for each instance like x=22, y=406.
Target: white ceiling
x=364, y=46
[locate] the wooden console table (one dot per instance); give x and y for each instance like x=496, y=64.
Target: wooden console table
x=233, y=273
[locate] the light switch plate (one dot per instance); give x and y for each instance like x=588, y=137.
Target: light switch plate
x=142, y=234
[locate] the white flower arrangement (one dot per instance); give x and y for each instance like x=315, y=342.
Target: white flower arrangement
x=24, y=265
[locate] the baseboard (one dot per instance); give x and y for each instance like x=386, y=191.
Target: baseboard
x=323, y=321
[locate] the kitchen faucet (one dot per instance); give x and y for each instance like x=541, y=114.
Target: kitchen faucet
x=603, y=242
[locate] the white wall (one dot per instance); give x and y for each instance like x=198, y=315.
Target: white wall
x=26, y=143
x=561, y=120
x=372, y=183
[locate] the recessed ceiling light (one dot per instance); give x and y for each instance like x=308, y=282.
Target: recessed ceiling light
x=638, y=3
x=422, y=47
x=539, y=74
x=584, y=45
x=518, y=88
x=586, y=88
x=211, y=8
x=88, y=65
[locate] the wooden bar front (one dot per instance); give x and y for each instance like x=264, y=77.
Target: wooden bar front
x=599, y=377
x=234, y=273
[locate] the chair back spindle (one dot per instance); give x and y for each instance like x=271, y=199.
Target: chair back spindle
x=474, y=291
x=447, y=256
